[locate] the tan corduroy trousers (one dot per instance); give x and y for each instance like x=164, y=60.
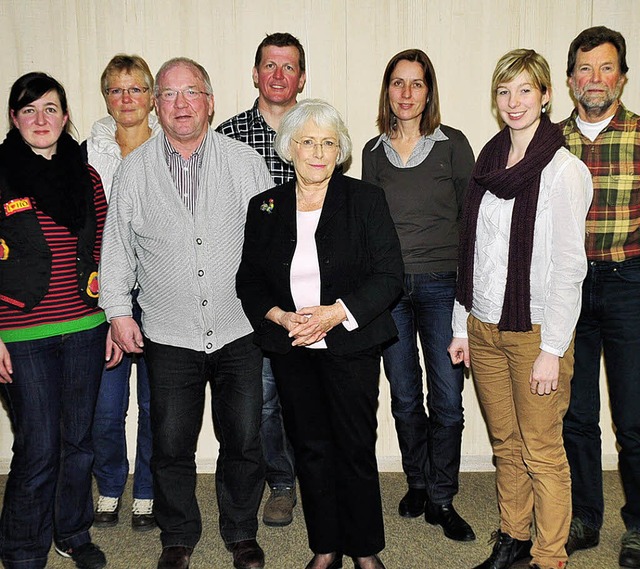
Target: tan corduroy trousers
x=532, y=473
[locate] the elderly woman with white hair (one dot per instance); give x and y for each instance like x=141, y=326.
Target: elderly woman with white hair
x=320, y=267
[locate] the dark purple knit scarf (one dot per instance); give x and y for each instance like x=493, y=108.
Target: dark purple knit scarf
x=522, y=182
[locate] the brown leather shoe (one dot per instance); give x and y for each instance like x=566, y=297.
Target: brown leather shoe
x=175, y=557
x=247, y=554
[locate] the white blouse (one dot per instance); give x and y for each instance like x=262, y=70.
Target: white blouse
x=558, y=263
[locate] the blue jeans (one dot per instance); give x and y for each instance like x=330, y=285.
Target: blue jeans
x=430, y=445
x=178, y=378
x=50, y=405
x=111, y=466
x=278, y=454
x=610, y=320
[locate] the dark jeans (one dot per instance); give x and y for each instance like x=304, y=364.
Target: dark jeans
x=329, y=407
x=278, y=454
x=178, y=378
x=111, y=466
x=430, y=445
x=610, y=320
x=50, y=405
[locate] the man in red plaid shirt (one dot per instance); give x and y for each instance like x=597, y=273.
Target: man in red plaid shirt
x=606, y=136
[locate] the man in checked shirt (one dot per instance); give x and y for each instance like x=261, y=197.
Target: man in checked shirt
x=279, y=75
x=606, y=136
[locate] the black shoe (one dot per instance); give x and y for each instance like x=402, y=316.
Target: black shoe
x=412, y=504
x=379, y=564
x=630, y=551
x=506, y=551
x=452, y=523
x=175, y=557
x=247, y=554
x=581, y=536
x=335, y=564
x=85, y=556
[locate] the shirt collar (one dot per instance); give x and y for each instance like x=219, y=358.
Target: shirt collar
x=169, y=149
x=256, y=117
x=436, y=135
x=618, y=121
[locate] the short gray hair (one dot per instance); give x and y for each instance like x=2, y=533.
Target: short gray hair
x=320, y=112
x=175, y=62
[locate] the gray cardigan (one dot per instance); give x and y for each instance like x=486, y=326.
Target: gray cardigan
x=185, y=265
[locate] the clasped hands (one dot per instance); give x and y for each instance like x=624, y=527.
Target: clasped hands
x=309, y=324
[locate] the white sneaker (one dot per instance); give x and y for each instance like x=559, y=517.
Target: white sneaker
x=106, y=514
x=142, y=515
x=142, y=507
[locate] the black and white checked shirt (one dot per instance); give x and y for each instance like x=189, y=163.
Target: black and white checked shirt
x=251, y=128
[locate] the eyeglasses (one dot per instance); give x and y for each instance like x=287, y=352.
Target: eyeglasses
x=170, y=95
x=309, y=144
x=131, y=91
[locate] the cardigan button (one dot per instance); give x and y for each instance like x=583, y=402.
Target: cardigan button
x=205, y=302
x=200, y=273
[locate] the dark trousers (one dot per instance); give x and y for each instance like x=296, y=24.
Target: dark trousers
x=178, y=378
x=278, y=454
x=609, y=321
x=329, y=407
x=429, y=444
x=50, y=404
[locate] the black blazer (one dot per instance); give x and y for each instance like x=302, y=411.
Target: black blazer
x=359, y=257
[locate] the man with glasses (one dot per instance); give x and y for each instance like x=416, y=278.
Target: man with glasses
x=176, y=223
x=279, y=75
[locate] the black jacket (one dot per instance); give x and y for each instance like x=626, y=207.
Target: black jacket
x=359, y=257
x=25, y=256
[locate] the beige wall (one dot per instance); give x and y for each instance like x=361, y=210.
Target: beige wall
x=348, y=43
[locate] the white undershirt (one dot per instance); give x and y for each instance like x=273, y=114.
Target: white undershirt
x=592, y=129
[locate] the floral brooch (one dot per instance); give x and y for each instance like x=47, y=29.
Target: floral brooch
x=267, y=206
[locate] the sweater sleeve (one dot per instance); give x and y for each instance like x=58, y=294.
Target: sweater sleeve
x=462, y=162
x=369, y=173
x=100, y=205
x=117, y=265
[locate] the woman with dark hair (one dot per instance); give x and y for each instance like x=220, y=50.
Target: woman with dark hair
x=522, y=262
x=127, y=88
x=52, y=335
x=424, y=168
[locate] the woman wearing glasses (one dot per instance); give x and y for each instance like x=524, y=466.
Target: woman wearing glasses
x=321, y=264
x=127, y=87
x=424, y=168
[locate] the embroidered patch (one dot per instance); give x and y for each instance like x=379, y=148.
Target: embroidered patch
x=17, y=205
x=92, y=287
x=4, y=250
